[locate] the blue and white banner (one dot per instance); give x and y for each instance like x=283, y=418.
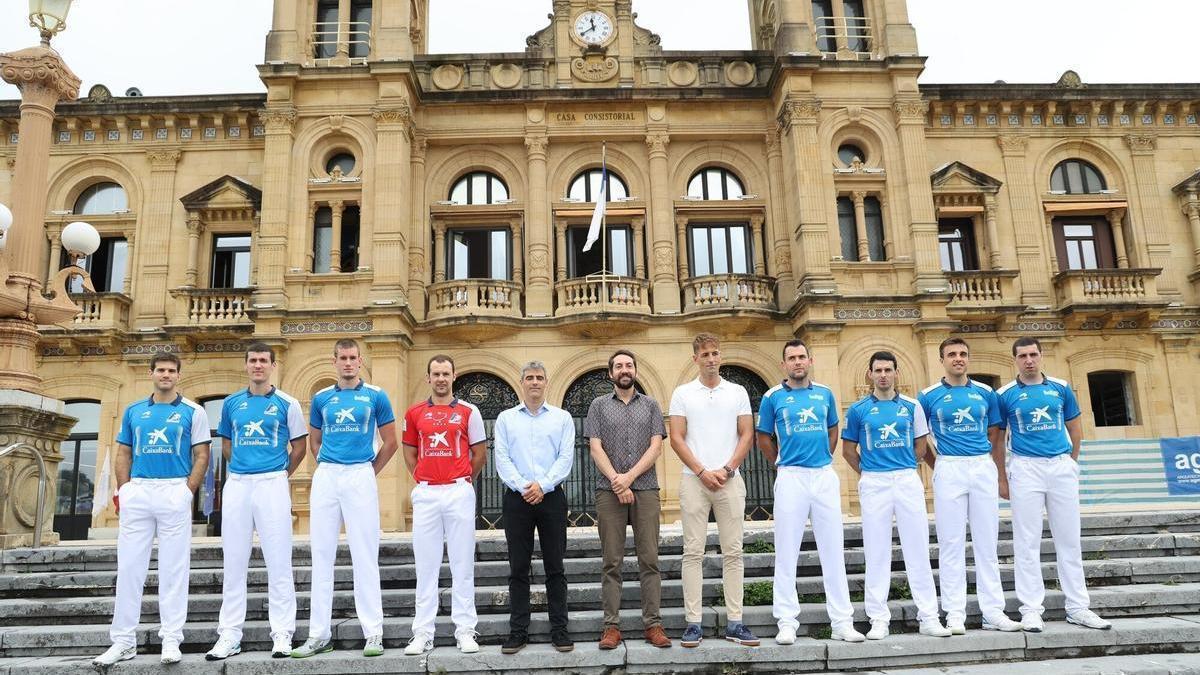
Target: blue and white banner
x=1181, y=462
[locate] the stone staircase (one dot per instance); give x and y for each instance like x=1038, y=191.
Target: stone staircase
x=1143, y=571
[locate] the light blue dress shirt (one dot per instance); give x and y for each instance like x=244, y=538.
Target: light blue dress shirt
x=534, y=448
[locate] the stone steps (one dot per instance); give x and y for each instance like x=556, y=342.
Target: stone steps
x=1133, y=646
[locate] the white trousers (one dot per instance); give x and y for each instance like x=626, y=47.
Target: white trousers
x=966, y=489
x=150, y=507
x=345, y=493
x=257, y=502
x=884, y=494
x=803, y=494
x=444, y=514
x=1051, y=484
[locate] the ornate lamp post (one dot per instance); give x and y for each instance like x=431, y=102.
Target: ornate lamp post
x=27, y=417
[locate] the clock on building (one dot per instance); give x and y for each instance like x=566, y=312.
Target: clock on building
x=593, y=27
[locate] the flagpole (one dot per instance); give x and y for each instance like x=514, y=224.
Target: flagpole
x=603, y=228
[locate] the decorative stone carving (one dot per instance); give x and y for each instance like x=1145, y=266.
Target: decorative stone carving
x=594, y=68
x=163, y=159
x=40, y=74
x=539, y=264
x=664, y=262
x=1010, y=144
x=335, y=122
x=910, y=111
x=798, y=111
x=416, y=264
x=783, y=260
x=1139, y=143
x=447, y=76
x=399, y=113
x=739, y=73
x=278, y=120
x=682, y=73
x=1071, y=80
x=535, y=146
x=506, y=75
x=321, y=327
x=656, y=145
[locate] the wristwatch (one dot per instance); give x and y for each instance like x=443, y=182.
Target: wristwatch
x=729, y=471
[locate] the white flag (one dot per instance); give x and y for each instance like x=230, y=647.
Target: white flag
x=601, y=202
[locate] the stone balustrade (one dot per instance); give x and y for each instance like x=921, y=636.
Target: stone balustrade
x=474, y=297
x=103, y=311
x=1107, y=286
x=595, y=293
x=746, y=291
x=982, y=287
x=216, y=306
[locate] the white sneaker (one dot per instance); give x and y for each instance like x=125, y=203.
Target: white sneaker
x=1088, y=619
x=1002, y=623
x=1032, y=623
x=466, y=642
x=170, y=652
x=786, y=635
x=374, y=645
x=281, y=645
x=847, y=633
x=225, y=648
x=115, y=654
x=879, y=630
x=934, y=628
x=418, y=645
x=956, y=627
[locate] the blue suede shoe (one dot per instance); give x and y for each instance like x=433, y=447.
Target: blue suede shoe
x=737, y=632
x=692, y=635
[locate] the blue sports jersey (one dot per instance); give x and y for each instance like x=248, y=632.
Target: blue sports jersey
x=259, y=429
x=1037, y=415
x=959, y=417
x=162, y=436
x=885, y=432
x=800, y=419
x=348, y=419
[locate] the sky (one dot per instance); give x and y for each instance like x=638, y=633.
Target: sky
x=172, y=47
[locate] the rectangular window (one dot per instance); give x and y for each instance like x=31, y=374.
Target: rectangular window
x=230, y=261
x=874, y=215
x=360, y=28
x=325, y=31
x=581, y=264
x=322, y=240
x=1084, y=244
x=720, y=249
x=1112, y=398
x=479, y=253
x=823, y=21
x=956, y=244
x=106, y=266
x=847, y=230
x=856, y=25
x=348, y=247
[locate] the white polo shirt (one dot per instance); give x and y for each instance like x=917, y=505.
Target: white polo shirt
x=712, y=416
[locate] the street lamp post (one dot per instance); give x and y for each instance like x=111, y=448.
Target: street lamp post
x=27, y=417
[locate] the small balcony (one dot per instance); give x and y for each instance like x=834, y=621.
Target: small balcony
x=729, y=291
x=1113, y=294
x=474, y=297
x=983, y=293
x=596, y=293
x=102, y=311
x=215, y=306
x=847, y=37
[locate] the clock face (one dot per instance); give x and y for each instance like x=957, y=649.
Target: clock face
x=593, y=27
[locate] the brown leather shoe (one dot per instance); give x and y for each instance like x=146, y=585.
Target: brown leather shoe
x=656, y=637
x=611, y=638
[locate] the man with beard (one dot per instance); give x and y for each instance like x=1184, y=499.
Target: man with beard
x=535, y=448
x=797, y=431
x=344, y=420
x=625, y=431
x=445, y=447
x=964, y=416
x=162, y=454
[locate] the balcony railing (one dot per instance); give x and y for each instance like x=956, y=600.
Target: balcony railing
x=844, y=33
x=1107, y=286
x=982, y=287
x=216, y=306
x=474, y=297
x=353, y=37
x=587, y=294
x=102, y=310
x=729, y=291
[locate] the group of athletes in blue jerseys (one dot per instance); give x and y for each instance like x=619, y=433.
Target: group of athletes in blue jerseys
x=959, y=426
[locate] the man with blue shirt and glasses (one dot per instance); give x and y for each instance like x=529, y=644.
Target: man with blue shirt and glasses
x=1044, y=432
x=162, y=454
x=266, y=440
x=797, y=430
x=964, y=416
x=345, y=420
x=890, y=429
x=535, y=448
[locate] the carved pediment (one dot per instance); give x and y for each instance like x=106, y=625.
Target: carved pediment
x=227, y=193
x=958, y=177
x=1191, y=184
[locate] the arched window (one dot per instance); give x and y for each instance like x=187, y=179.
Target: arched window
x=1076, y=177
x=101, y=198
x=478, y=187
x=492, y=396
x=586, y=185
x=715, y=183
x=77, y=471
x=757, y=472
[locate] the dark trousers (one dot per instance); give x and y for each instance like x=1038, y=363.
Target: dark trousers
x=549, y=518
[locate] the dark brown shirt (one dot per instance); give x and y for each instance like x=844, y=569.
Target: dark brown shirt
x=625, y=431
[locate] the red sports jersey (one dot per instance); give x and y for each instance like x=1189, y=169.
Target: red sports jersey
x=443, y=436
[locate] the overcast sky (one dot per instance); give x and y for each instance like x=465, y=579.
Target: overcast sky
x=169, y=47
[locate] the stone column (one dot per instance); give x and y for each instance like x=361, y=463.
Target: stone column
x=439, y=252
x=539, y=291
x=756, y=245
x=664, y=285
x=1192, y=209
x=155, y=250
x=560, y=241
x=1052, y=250
x=910, y=125
x=276, y=204
x=1116, y=218
x=195, y=228
x=418, y=234
x=1029, y=226
x=336, y=208
x=810, y=236
x=386, y=251
x=860, y=225
x=681, y=236
x=978, y=225
x=254, y=228
x=778, y=229
x=518, y=248
x=310, y=256
x=1150, y=223
x=639, y=252
x=55, y=261
x=993, y=232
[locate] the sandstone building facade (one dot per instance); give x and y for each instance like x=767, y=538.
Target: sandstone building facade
x=810, y=187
